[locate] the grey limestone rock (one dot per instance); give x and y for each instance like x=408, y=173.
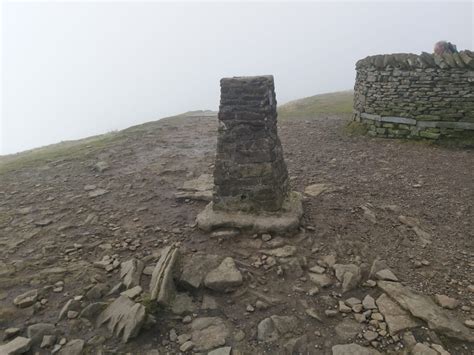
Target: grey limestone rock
x=123, y=317
x=19, y=345
x=423, y=307
x=226, y=277
x=162, y=287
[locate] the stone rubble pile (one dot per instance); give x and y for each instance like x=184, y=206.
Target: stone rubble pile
x=383, y=317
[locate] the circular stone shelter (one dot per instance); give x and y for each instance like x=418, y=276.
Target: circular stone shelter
x=416, y=96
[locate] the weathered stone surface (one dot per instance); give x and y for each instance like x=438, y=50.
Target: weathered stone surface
x=270, y=329
x=250, y=173
x=209, y=302
x=19, y=345
x=72, y=347
x=182, y=304
x=91, y=311
x=298, y=345
x=422, y=349
x=132, y=292
x=349, y=275
x=10, y=333
x=368, y=302
x=195, y=267
x=208, y=333
x=446, y=302
x=162, y=286
x=225, y=278
x=266, y=331
x=131, y=272
x=37, y=331
x=123, y=317
x=26, y=299
x=348, y=329
x=386, y=274
x=225, y=350
x=440, y=349
x=423, y=307
x=397, y=318
x=282, y=252
x=48, y=341
x=285, y=324
x=320, y=280
x=315, y=190
x=71, y=305
x=411, y=96
x=376, y=266
x=97, y=292
x=286, y=219
x=353, y=349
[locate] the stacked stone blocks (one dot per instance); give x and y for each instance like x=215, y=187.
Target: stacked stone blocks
x=250, y=174
x=416, y=96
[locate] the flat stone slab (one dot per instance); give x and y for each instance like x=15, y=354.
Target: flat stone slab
x=353, y=349
x=72, y=347
x=423, y=307
x=208, y=333
x=195, y=267
x=287, y=219
x=19, y=345
x=162, y=287
x=315, y=190
x=397, y=318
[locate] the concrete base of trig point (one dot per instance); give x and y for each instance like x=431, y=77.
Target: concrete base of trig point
x=285, y=220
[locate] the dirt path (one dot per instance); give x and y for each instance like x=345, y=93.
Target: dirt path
x=52, y=229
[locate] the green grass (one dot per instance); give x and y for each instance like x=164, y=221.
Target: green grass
x=354, y=128
x=77, y=149
x=336, y=103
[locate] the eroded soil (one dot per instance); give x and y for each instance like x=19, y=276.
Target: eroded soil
x=51, y=229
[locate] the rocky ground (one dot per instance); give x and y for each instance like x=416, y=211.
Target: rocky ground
x=100, y=253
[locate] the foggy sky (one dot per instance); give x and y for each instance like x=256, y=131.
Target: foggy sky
x=71, y=70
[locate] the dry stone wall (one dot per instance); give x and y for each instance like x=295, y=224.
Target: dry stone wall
x=250, y=174
x=416, y=96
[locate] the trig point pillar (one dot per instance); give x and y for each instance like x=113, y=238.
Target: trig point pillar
x=250, y=175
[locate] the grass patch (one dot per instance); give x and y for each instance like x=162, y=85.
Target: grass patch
x=76, y=149
x=464, y=141
x=354, y=128
x=65, y=150
x=336, y=103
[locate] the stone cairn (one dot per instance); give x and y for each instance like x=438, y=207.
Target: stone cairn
x=250, y=175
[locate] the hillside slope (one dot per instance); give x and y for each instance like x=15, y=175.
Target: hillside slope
x=336, y=103
x=83, y=220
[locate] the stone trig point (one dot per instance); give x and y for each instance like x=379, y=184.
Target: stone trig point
x=250, y=175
